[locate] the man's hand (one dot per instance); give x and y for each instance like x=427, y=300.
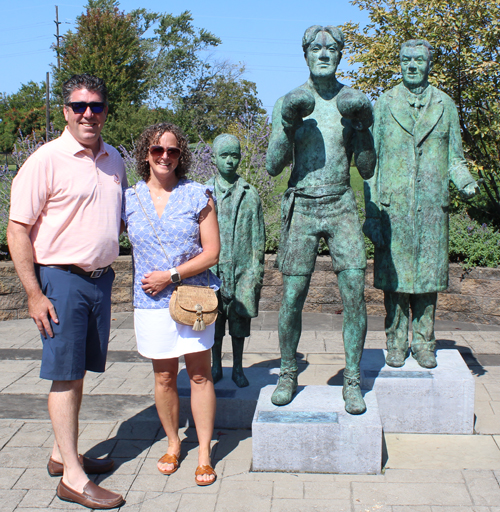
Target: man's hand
x=373, y=230
x=469, y=191
x=21, y=251
x=297, y=104
x=356, y=107
x=42, y=311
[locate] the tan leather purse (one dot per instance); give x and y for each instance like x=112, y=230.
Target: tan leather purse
x=191, y=305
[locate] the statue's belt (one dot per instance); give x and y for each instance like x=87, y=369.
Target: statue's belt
x=287, y=206
x=332, y=189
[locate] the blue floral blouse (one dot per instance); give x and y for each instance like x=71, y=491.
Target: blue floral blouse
x=179, y=232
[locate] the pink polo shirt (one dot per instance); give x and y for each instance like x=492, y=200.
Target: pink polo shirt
x=73, y=202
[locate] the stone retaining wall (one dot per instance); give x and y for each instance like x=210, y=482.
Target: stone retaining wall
x=471, y=297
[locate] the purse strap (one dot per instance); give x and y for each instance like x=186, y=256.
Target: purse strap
x=154, y=230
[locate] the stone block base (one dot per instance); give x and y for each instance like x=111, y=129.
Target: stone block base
x=412, y=399
x=235, y=406
x=314, y=434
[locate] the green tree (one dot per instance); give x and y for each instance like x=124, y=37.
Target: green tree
x=139, y=69
x=23, y=111
x=106, y=43
x=216, y=100
x=465, y=35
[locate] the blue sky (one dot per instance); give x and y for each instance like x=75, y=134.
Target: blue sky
x=265, y=35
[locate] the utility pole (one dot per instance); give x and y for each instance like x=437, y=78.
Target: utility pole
x=47, y=108
x=57, y=36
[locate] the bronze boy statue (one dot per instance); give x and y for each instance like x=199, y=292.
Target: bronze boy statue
x=241, y=260
x=319, y=127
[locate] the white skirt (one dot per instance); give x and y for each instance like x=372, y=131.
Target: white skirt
x=159, y=337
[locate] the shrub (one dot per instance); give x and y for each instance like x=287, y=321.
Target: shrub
x=360, y=201
x=473, y=244
x=23, y=148
x=5, y=183
x=130, y=164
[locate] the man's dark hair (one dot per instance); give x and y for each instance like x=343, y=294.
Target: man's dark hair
x=413, y=43
x=311, y=33
x=89, y=82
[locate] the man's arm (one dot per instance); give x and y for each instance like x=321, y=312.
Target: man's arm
x=371, y=226
x=458, y=170
x=356, y=107
x=287, y=119
x=365, y=157
x=21, y=251
x=280, y=150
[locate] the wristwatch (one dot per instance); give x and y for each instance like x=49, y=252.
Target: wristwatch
x=175, y=276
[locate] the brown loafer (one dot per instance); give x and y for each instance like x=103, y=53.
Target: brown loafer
x=90, y=466
x=92, y=496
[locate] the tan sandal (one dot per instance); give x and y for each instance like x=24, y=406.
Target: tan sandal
x=169, y=459
x=205, y=470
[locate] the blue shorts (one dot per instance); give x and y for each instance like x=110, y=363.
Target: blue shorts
x=83, y=307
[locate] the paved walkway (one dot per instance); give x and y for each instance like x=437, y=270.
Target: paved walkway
x=423, y=473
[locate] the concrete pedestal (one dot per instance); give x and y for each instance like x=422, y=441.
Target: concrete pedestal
x=412, y=399
x=314, y=434
x=235, y=406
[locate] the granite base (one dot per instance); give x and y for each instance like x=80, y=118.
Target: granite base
x=412, y=399
x=314, y=434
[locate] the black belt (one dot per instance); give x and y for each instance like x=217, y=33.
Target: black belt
x=93, y=274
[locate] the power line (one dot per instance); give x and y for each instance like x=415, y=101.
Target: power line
x=244, y=52
x=31, y=52
x=24, y=41
x=24, y=27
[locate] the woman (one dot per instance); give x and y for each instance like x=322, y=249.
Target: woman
x=172, y=225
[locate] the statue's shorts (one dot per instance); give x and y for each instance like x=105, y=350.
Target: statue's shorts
x=239, y=326
x=334, y=218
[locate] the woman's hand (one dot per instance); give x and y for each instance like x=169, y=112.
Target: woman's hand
x=155, y=282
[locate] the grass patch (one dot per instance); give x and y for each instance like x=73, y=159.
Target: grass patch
x=356, y=181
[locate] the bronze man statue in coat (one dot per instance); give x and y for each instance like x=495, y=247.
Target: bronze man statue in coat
x=419, y=149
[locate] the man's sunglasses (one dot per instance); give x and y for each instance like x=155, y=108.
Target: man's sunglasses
x=158, y=150
x=79, y=107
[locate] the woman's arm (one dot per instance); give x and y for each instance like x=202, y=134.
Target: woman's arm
x=210, y=242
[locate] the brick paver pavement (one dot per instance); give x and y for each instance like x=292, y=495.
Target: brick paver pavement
x=423, y=473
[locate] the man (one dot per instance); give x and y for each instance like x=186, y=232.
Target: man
x=63, y=236
x=419, y=149
x=241, y=260
x=319, y=126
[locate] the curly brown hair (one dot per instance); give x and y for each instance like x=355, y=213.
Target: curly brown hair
x=151, y=135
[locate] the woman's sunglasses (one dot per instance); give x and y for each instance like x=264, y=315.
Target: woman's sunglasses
x=79, y=107
x=157, y=151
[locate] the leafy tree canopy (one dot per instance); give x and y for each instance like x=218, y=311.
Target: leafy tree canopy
x=217, y=99
x=22, y=111
x=106, y=43
x=152, y=66
x=465, y=35
x=141, y=55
